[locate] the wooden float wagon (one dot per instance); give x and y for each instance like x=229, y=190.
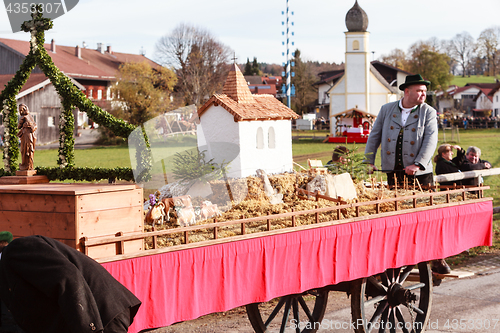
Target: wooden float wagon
x=381, y=260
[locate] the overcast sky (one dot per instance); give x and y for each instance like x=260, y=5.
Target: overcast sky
x=254, y=28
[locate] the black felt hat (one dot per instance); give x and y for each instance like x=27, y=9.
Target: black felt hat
x=413, y=79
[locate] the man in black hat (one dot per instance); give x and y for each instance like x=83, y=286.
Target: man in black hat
x=407, y=132
x=51, y=287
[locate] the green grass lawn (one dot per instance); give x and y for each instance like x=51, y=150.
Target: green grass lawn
x=462, y=81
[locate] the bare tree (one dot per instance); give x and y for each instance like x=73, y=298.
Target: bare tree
x=305, y=92
x=199, y=60
x=461, y=48
x=488, y=43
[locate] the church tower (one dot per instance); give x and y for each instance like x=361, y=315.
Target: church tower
x=357, y=61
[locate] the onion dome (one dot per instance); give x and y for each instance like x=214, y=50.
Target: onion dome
x=356, y=19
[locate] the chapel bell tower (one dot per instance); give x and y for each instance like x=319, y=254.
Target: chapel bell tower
x=357, y=61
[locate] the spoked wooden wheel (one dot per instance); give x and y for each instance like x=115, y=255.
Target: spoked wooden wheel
x=389, y=302
x=301, y=312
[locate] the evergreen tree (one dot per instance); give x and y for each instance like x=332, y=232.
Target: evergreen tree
x=248, y=68
x=255, y=67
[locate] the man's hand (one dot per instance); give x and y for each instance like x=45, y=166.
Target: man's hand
x=371, y=168
x=487, y=165
x=411, y=169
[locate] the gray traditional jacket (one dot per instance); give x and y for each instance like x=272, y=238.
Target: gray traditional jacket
x=420, y=137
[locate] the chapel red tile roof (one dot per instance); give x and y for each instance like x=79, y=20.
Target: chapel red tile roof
x=237, y=99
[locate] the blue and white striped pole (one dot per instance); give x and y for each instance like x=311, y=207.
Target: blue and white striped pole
x=288, y=56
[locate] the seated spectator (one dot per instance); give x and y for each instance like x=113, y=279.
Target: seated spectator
x=51, y=287
x=473, y=162
x=446, y=164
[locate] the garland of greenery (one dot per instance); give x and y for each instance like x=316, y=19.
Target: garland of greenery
x=71, y=97
x=85, y=174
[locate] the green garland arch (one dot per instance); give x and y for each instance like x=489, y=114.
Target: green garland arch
x=71, y=98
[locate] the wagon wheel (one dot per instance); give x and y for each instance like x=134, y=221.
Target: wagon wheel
x=388, y=302
x=303, y=320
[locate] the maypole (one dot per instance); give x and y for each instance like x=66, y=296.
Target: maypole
x=288, y=88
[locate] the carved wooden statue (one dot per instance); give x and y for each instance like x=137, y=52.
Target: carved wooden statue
x=27, y=128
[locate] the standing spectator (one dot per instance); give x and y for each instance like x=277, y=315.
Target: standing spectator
x=407, y=132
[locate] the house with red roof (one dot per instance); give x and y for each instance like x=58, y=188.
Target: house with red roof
x=249, y=131
x=268, y=85
x=92, y=70
x=484, y=102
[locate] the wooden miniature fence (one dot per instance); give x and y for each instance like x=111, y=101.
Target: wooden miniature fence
x=120, y=239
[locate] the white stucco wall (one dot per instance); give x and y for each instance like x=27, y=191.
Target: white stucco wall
x=483, y=102
x=272, y=160
x=225, y=139
x=496, y=104
x=379, y=95
x=471, y=91
x=322, y=90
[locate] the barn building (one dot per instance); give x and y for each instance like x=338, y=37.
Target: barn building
x=91, y=70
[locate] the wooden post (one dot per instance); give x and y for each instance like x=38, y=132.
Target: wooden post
x=155, y=239
x=216, y=229
x=186, y=237
x=396, y=202
x=85, y=249
x=294, y=223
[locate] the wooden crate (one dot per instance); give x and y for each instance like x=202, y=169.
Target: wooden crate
x=68, y=212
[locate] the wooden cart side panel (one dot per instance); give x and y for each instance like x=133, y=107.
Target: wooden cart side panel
x=109, y=222
x=109, y=201
x=27, y=202
x=54, y=225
